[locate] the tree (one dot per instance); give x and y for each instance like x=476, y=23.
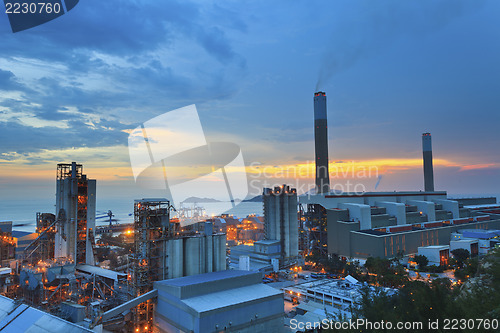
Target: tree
x=417, y=301
x=421, y=260
x=460, y=255
x=386, y=274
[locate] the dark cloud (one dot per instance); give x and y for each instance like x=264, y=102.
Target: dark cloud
x=118, y=27
x=133, y=86
x=8, y=81
x=16, y=137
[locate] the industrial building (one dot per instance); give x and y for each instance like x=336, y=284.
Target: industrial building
x=384, y=224
x=260, y=255
x=477, y=241
x=55, y=269
x=438, y=255
x=162, y=252
x=281, y=219
x=7, y=243
x=324, y=299
x=281, y=232
x=233, y=301
x=337, y=295
x=75, y=207
x=470, y=245
x=17, y=317
x=391, y=223
x=240, y=231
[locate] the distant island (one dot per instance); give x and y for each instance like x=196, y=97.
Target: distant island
x=199, y=200
x=254, y=199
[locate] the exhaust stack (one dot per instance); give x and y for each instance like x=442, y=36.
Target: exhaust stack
x=321, y=143
x=428, y=169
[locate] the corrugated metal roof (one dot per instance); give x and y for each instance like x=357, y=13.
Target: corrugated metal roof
x=351, y=280
x=16, y=317
x=221, y=299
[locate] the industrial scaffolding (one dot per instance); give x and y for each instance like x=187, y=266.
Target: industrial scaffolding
x=315, y=220
x=81, y=222
x=45, y=228
x=151, y=229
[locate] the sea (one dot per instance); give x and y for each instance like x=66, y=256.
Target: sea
x=22, y=213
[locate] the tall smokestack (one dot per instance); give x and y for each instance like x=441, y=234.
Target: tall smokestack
x=321, y=143
x=428, y=170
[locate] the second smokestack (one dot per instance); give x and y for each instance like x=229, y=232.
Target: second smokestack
x=428, y=168
x=321, y=143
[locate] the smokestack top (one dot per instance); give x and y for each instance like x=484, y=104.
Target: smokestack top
x=426, y=142
x=320, y=105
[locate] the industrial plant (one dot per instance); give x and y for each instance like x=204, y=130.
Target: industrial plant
x=208, y=276
x=56, y=271
x=383, y=224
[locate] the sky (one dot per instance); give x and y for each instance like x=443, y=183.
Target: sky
x=74, y=88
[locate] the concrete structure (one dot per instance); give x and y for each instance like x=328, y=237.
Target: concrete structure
x=321, y=143
x=486, y=239
x=380, y=209
x=233, y=301
x=195, y=255
x=385, y=224
x=6, y=226
x=281, y=219
x=428, y=169
x=468, y=244
x=339, y=294
x=244, y=263
x=317, y=298
x=476, y=201
x=437, y=255
x=261, y=255
x=75, y=211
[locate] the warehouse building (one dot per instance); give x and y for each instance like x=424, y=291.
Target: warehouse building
x=235, y=301
x=438, y=255
x=470, y=245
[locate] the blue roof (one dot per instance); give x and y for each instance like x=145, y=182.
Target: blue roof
x=482, y=234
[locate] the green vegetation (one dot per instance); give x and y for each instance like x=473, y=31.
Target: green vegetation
x=333, y=264
x=418, y=301
x=385, y=272
x=421, y=261
x=460, y=256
